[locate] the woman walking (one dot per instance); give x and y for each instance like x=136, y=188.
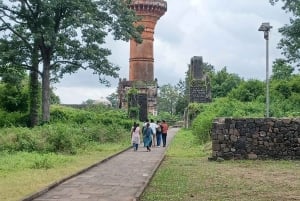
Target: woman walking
x=147, y=134
x=135, y=137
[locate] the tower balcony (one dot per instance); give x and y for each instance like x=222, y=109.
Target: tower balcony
x=155, y=7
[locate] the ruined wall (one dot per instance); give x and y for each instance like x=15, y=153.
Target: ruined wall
x=256, y=138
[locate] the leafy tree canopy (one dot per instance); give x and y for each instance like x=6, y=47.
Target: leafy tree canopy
x=281, y=70
x=63, y=36
x=223, y=82
x=167, y=100
x=248, y=91
x=69, y=32
x=290, y=43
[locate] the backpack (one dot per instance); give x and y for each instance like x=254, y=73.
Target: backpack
x=159, y=128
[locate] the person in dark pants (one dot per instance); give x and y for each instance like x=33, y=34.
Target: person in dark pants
x=164, y=130
x=158, y=133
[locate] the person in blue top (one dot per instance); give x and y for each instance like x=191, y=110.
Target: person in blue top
x=147, y=134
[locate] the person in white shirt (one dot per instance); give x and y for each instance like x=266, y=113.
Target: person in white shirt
x=153, y=126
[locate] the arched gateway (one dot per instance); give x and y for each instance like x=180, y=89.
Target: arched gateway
x=141, y=62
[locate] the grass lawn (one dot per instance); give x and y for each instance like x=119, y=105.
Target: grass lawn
x=187, y=175
x=22, y=173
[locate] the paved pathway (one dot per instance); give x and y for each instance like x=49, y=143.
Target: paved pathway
x=123, y=178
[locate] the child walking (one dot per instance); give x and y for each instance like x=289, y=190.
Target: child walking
x=135, y=137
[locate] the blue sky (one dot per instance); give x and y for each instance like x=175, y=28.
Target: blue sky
x=223, y=32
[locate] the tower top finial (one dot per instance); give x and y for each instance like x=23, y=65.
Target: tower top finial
x=158, y=7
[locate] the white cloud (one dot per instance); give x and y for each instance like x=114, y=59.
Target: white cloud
x=77, y=95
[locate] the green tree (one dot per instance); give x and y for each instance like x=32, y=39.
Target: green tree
x=281, y=70
x=114, y=99
x=223, y=82
x=248, y=91
x=290, y=43
x=13, y=90
x=183, y=99
x=167, y=99
x=64, y=36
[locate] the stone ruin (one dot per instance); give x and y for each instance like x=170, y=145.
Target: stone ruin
x=199, y=86
x=145, y=100
x=256, y=138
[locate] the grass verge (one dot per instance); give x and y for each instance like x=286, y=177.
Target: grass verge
x=187, y=175
x=24, y=173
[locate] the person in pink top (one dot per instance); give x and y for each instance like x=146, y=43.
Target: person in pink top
x=135, y=136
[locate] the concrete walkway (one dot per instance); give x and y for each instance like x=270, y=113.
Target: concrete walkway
x=122, y=178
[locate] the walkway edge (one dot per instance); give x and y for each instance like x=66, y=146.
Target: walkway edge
x=142, y=189
x=53, y=185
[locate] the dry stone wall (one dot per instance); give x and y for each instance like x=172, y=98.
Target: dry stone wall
x=256, y=138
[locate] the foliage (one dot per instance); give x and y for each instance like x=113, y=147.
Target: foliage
x=114, y=99
x=248, y=91
x=70, y=130
x=285, y=97
x=13, y=90
x=170, y=119
x=8, y=119
x=223, y=82
x=13, y=99
x=222, y=107
x=290, y=43
x=281, y=70
x=183, y=97
x=65, y=36
x=167, y=99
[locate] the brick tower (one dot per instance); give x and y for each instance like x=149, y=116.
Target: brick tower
x=141, y=62
x=141, y=66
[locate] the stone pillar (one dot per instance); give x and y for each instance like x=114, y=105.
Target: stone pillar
x=141, y=62
x=200, y=89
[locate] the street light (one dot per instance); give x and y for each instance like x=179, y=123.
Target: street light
x=266, y=27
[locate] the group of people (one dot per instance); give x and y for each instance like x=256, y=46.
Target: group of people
x=153, y=134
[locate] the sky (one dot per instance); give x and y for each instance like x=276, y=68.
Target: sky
x=223, y=32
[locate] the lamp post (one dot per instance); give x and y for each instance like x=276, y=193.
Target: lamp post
x=266, y=27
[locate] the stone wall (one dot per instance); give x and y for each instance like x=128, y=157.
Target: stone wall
x=256, y=138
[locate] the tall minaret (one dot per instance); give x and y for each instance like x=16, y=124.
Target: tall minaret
x=141, y=62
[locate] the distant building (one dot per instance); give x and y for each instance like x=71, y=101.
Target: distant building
x=102, y=101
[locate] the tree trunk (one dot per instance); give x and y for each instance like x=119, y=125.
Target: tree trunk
x=46, y=90
x=34, y=89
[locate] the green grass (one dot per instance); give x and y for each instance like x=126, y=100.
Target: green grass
x=24, y=173
x=186, y=174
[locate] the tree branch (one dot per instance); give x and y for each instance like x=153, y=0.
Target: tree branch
x=67, y=62
x=28, y=6
x=16, y=33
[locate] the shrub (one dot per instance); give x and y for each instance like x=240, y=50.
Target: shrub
x=69, y=130
x=8, y=119
x=222, y=107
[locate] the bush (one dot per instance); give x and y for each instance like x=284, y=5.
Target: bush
x=222, y=107
x=8, y=119
x=69, y=130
